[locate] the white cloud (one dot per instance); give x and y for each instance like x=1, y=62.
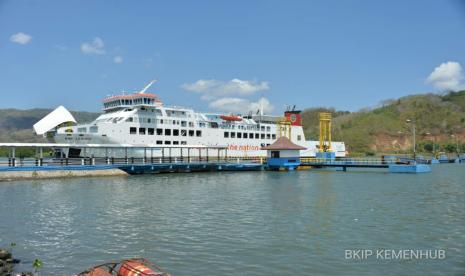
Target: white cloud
x=213, y=89
x=447, y=76
x=21, y=38
x=118, y=59
x=239, y=105
x=96, y=47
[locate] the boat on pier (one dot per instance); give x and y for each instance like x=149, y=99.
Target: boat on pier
x=141, y=118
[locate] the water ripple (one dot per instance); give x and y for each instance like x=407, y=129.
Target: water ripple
x=295, y=223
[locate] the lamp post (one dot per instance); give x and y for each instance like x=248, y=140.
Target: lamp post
x=414, y=138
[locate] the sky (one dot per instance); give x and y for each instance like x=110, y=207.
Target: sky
x=229, y=56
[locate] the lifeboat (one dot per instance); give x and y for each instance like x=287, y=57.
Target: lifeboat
x=230, y=118
x=127, y=267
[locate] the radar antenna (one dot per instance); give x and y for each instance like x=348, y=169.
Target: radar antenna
x=147, y=86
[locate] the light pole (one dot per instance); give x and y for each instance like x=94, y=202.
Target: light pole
x=414, y=138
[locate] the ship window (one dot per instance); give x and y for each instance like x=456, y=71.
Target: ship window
x=159, y=142
x=262, y=128
x=183, y=123
x=268, y=136
x=275, y=154
x=174, y=122
x=151, y=131
x=191, y=133
x=226, y=134
x=273, y=136
x=93, y=129
x=233, y=135
x=244, y=135
x=268, y=128
x=167, y=142
x=175, y=132
x=250, y=135
x=159, y=131
x=142, y=130
x=214, y=125
x=183, y=143
x=183, y=132
x=161, y=121
x=191, y=124
x=149, y=120
x=262, y=136
x=129, y=119
x=132, y=130
x=257, y=136
x=82, y=130
x=198, y=133
x=239, y=135
x=299, y=137
x=175, y=142
x=167, y=131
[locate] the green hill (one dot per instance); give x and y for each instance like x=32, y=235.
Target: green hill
x=377, y=130
x=384, y=129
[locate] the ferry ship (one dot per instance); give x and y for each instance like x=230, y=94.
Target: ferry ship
x=140, y=119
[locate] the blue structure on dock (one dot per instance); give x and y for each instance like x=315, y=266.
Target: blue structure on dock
x=326, y=155
x=409, y=168
x=189, y=167
x=393, y=166
x=283, y=155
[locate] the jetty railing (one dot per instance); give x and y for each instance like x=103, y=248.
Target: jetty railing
x=92, y=161
x=351, y=161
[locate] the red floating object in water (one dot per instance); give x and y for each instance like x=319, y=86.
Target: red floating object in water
x=127, y=267
x=135, y=268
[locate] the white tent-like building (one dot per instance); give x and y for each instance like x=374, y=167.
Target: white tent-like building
x=57, y=117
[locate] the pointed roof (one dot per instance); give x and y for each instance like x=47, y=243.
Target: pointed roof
x=283, y=143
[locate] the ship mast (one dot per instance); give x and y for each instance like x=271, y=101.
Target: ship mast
x=147, y=86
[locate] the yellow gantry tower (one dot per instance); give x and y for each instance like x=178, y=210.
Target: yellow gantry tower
x=325, y=131
x=284, y=128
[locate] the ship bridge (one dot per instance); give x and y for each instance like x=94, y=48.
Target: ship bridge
x=138, y=99
x=130, y=101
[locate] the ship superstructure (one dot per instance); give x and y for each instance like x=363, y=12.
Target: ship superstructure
x=142, y=119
